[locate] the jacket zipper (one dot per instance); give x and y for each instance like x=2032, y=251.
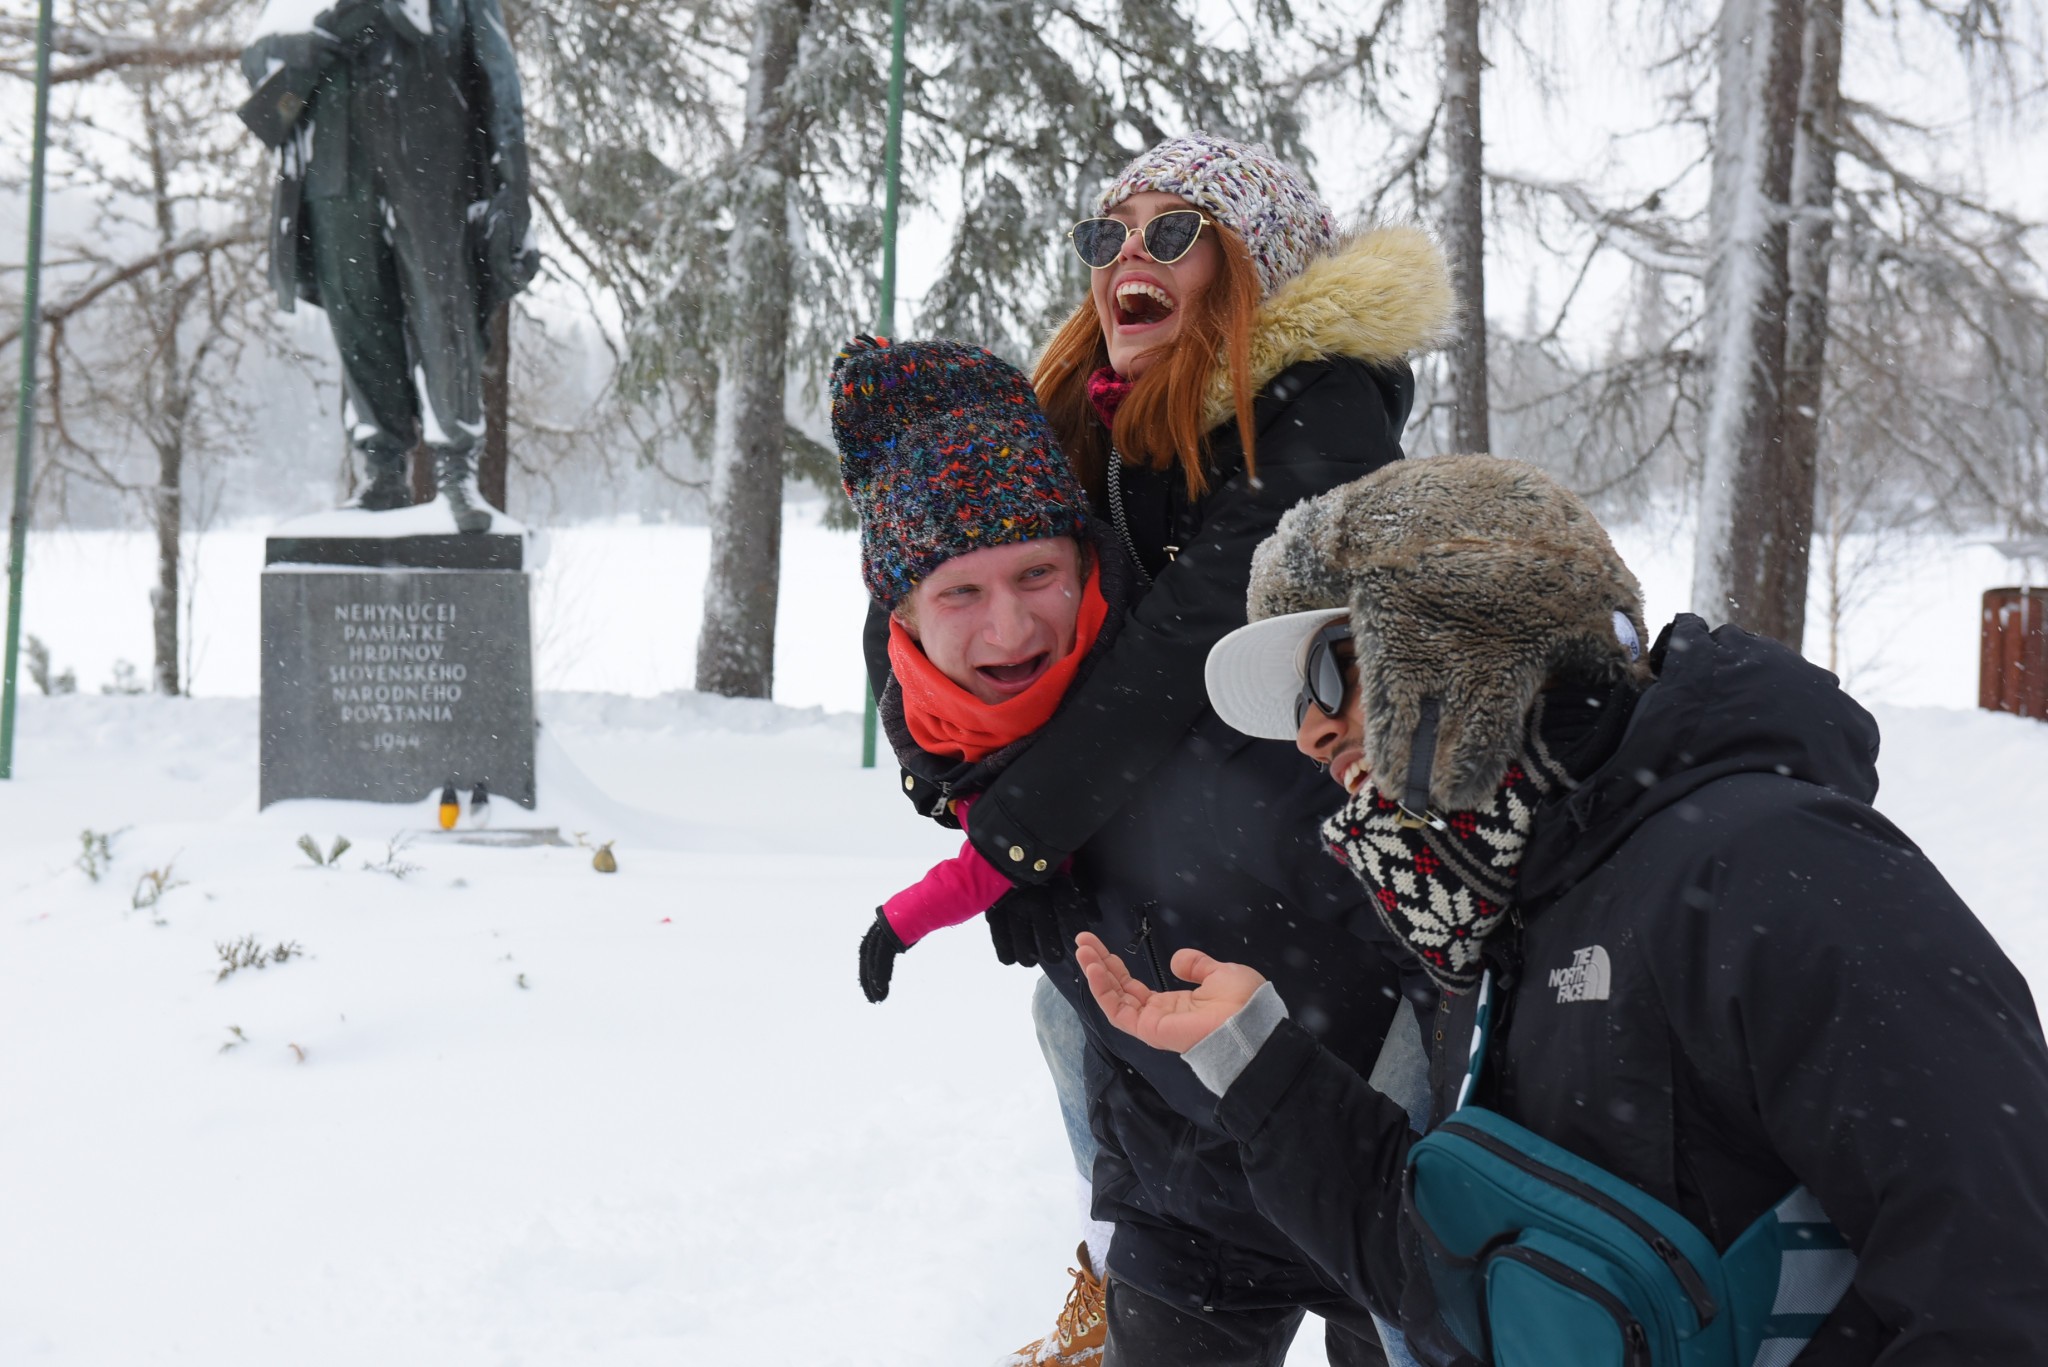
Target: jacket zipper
x=1144, y=941
x=1635, y=1341
x=944, y=802
x=1688, y=1278
x=1152, y=951
x=1116, y=512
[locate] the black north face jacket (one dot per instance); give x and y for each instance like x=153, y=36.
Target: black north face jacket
x=1734, y=978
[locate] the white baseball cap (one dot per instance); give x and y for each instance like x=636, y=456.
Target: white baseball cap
x=1255, y=673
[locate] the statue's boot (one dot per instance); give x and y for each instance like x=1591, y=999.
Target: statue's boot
x=456, y=473
x=387, y=488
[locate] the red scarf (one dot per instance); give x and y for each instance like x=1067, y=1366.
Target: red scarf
x=1107, y=391
x=945, y=719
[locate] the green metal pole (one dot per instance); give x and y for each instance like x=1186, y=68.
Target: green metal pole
x=892, y=173
x=25, y=412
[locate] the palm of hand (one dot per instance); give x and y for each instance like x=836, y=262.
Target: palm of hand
x=1175, y=1021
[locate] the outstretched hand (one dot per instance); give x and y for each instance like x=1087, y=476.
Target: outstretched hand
x=1173, y=1021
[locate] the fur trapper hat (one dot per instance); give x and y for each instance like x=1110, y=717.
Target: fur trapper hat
x=1469, y=579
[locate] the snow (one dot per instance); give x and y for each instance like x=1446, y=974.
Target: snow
x=639, y=1155
x=297, y=16
x=288, y=16
x=431, y=518
x=549, y=1115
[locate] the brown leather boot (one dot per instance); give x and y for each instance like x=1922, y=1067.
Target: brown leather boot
x=1078, y=1334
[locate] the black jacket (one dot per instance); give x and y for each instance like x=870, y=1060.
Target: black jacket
x=1216, y=851
x=1318, y=424
x=1795, y=996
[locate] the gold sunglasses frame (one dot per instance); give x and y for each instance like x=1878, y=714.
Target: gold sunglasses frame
x=1204, y=221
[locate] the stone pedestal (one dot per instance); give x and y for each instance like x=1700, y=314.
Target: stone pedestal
x=395, y=664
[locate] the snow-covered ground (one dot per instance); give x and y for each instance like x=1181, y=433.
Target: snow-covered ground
x=505, y=1109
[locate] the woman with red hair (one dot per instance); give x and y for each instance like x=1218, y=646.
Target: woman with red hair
x=1235, y=355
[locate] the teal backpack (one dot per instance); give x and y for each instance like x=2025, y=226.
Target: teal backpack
x=1542, y=1259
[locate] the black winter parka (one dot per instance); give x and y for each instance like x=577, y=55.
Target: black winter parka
x=1792, y=995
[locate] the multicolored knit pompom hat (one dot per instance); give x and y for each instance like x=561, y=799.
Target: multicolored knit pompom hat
x=943, y=450
x=1283, y=221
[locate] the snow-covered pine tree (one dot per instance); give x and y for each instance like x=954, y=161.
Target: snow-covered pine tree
x=728, y=208
x=1030, y=103
x=1041, y=101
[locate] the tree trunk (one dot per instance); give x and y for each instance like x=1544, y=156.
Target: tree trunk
x=490, y=470
x=1740, y=551
x=424, y=489
x=1464, y=224
x=1809, y=252
x=163, y=599
x=736, y=647
x=167, y=401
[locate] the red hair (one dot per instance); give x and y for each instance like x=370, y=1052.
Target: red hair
x=1160, y=423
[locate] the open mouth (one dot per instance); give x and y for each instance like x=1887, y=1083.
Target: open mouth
x=1140, y=303
x=1014, y=678
x=1351, y=771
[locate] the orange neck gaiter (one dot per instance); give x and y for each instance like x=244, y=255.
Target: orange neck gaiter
x=945, y=719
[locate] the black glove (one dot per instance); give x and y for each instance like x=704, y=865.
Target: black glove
x=509, y=261
x=878, y=951
x=1034, y=924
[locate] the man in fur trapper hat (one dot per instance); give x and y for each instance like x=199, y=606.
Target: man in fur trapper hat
x=1670, y=942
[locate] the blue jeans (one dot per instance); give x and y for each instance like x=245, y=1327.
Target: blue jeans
x=1064, y=1042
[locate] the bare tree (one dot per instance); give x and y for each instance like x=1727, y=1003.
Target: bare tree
x=1908, y=312
x=1863, y=529
x=157, y=300
x=1464, y=223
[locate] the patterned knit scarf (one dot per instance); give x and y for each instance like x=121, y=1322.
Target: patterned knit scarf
x=1443, y=892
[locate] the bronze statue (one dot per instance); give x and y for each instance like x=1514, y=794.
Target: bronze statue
x=401, y=210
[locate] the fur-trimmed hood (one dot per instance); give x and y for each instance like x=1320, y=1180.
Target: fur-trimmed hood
x=1378, y=296
x=1469, y=579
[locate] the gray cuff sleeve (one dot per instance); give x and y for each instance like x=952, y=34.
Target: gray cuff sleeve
x=1230, y=1047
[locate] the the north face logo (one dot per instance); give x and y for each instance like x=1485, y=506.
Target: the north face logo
x=1588, y=978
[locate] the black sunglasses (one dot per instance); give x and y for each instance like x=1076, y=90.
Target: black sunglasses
x=1168, y=237
x=1322, y=677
